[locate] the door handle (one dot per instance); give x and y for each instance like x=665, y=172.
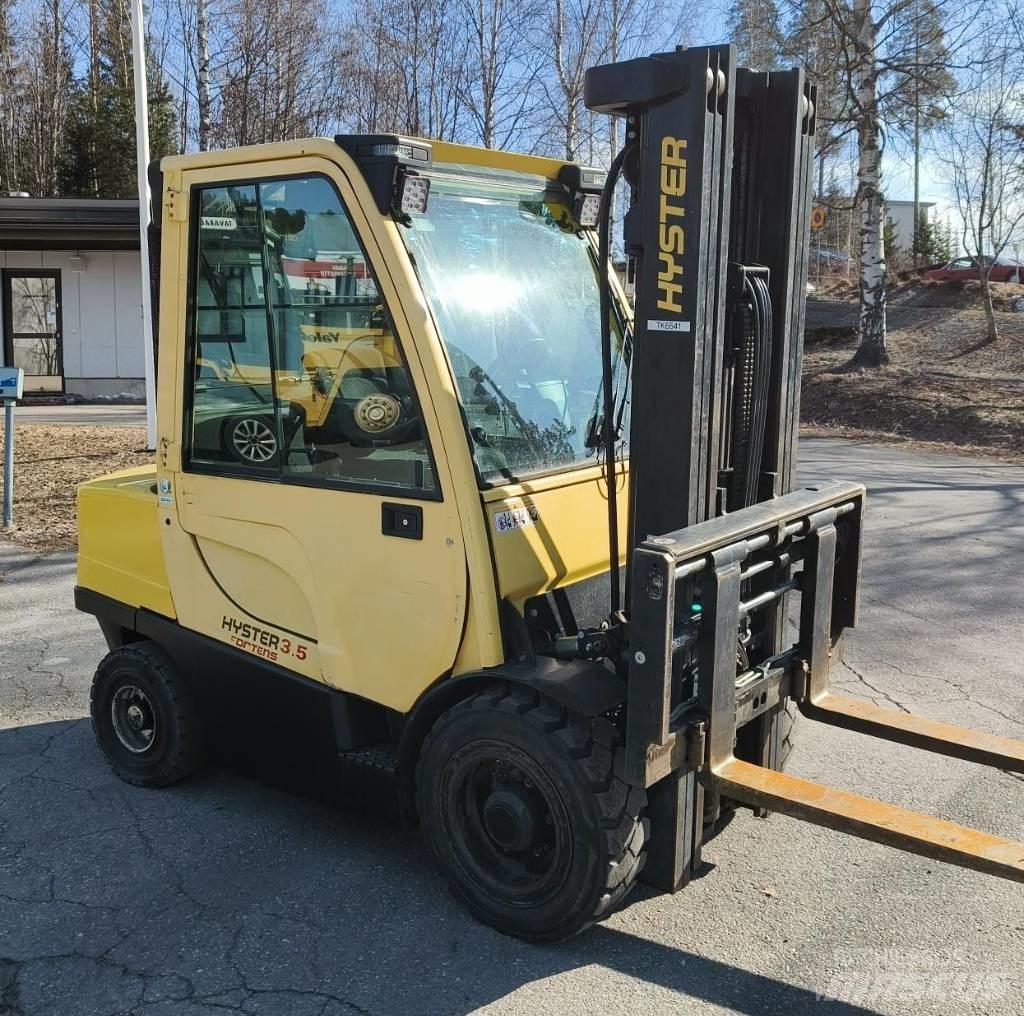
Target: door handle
x=403, y=520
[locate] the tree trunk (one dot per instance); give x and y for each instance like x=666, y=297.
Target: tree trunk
x=871, y=352
x=991, y=327
x=203, y=77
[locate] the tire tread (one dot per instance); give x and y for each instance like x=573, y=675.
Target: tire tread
x=595, y=749
x=189, y=749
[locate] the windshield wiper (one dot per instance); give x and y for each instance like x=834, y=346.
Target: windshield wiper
x=594, y=436
x=480, y=376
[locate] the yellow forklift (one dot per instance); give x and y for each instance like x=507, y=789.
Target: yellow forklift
x=437, y=506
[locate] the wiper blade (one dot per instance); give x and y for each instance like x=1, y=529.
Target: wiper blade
x=480, y=376
x=594, y=435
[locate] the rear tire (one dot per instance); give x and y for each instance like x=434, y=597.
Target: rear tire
x=520, y=804
x=144, y=717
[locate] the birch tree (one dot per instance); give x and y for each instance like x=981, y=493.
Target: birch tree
x=877, y=66
x=499, y=92
x=278, y=74
x=44, y=89
x=406, y=69
x=9, y=111
x=569, y=37
x=871, y=349
x=983, y=152
x=203, y=102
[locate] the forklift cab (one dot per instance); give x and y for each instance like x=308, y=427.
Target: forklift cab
x=367, y=418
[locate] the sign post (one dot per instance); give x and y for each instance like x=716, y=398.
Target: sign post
x=12, y=382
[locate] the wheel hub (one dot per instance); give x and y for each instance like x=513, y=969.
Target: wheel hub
x=509, y=820
x=506, y=823
x=133, y=718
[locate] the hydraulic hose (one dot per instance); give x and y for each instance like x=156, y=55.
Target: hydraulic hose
x=607, y=382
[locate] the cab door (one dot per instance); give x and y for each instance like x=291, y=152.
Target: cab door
x=313, y=519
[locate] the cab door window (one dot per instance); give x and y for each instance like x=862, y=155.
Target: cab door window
x=234, y=415
x=299, y=375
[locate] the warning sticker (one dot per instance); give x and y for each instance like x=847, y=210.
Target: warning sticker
x=515, y=518
x=668, y=326
x=217, y=222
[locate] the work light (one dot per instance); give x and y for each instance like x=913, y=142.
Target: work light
x=584, y=185
x=413, y=193
x=585, y=209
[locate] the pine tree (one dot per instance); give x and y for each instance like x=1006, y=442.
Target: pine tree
x=924, y=237
x=920, y=61
x=815, y=43
x=99, y=154
x=754, y=29
x=889, y=239
x=933, y=241
x=945, y=245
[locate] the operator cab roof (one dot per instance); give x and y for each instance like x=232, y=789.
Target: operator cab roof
x=329, y=148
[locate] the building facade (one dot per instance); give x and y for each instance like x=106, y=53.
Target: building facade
x=71, y=295
x=901, y=215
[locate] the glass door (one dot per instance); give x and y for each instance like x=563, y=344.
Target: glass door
x=32, y=328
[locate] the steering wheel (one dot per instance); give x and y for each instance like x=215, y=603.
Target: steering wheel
x=528, y=363
x=525, y=349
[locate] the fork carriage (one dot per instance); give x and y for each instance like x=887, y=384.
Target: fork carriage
x=693, y=595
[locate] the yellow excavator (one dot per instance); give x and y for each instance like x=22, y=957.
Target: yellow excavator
x=442, y=503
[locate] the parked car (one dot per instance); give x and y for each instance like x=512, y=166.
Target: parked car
x=235, y=419
x=1004, y=269
x=828, y=259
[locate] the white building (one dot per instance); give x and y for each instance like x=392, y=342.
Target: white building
x=901, y=215
x=71, y=295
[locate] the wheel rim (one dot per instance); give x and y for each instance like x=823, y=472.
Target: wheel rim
x=506, y=824
x=133, y=718
x=254, y=440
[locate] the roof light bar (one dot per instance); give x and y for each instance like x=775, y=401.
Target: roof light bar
x=386, y=162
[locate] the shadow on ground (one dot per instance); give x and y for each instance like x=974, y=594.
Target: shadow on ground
x=224, y=894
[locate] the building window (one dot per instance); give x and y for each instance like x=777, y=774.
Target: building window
x=32, y=327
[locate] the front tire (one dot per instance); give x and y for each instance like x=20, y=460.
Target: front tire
x=520, y=804
x=144, y=716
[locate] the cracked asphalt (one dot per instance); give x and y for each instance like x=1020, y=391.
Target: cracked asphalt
x=223, y=895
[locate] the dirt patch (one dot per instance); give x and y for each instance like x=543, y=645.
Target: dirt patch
x=945, y=384
x=908, y=291
x=50, y=462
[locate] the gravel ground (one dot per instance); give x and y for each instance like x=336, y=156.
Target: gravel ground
x=50, y=461
x=222, y=895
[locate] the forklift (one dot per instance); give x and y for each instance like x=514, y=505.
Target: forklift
x=524, y=546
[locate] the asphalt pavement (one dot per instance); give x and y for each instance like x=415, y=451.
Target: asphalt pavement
x=222, y=895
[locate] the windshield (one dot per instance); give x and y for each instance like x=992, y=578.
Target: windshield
x=513, y=288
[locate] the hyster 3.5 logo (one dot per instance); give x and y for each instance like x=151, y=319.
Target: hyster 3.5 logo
x=260, y=642
x=671, y=234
